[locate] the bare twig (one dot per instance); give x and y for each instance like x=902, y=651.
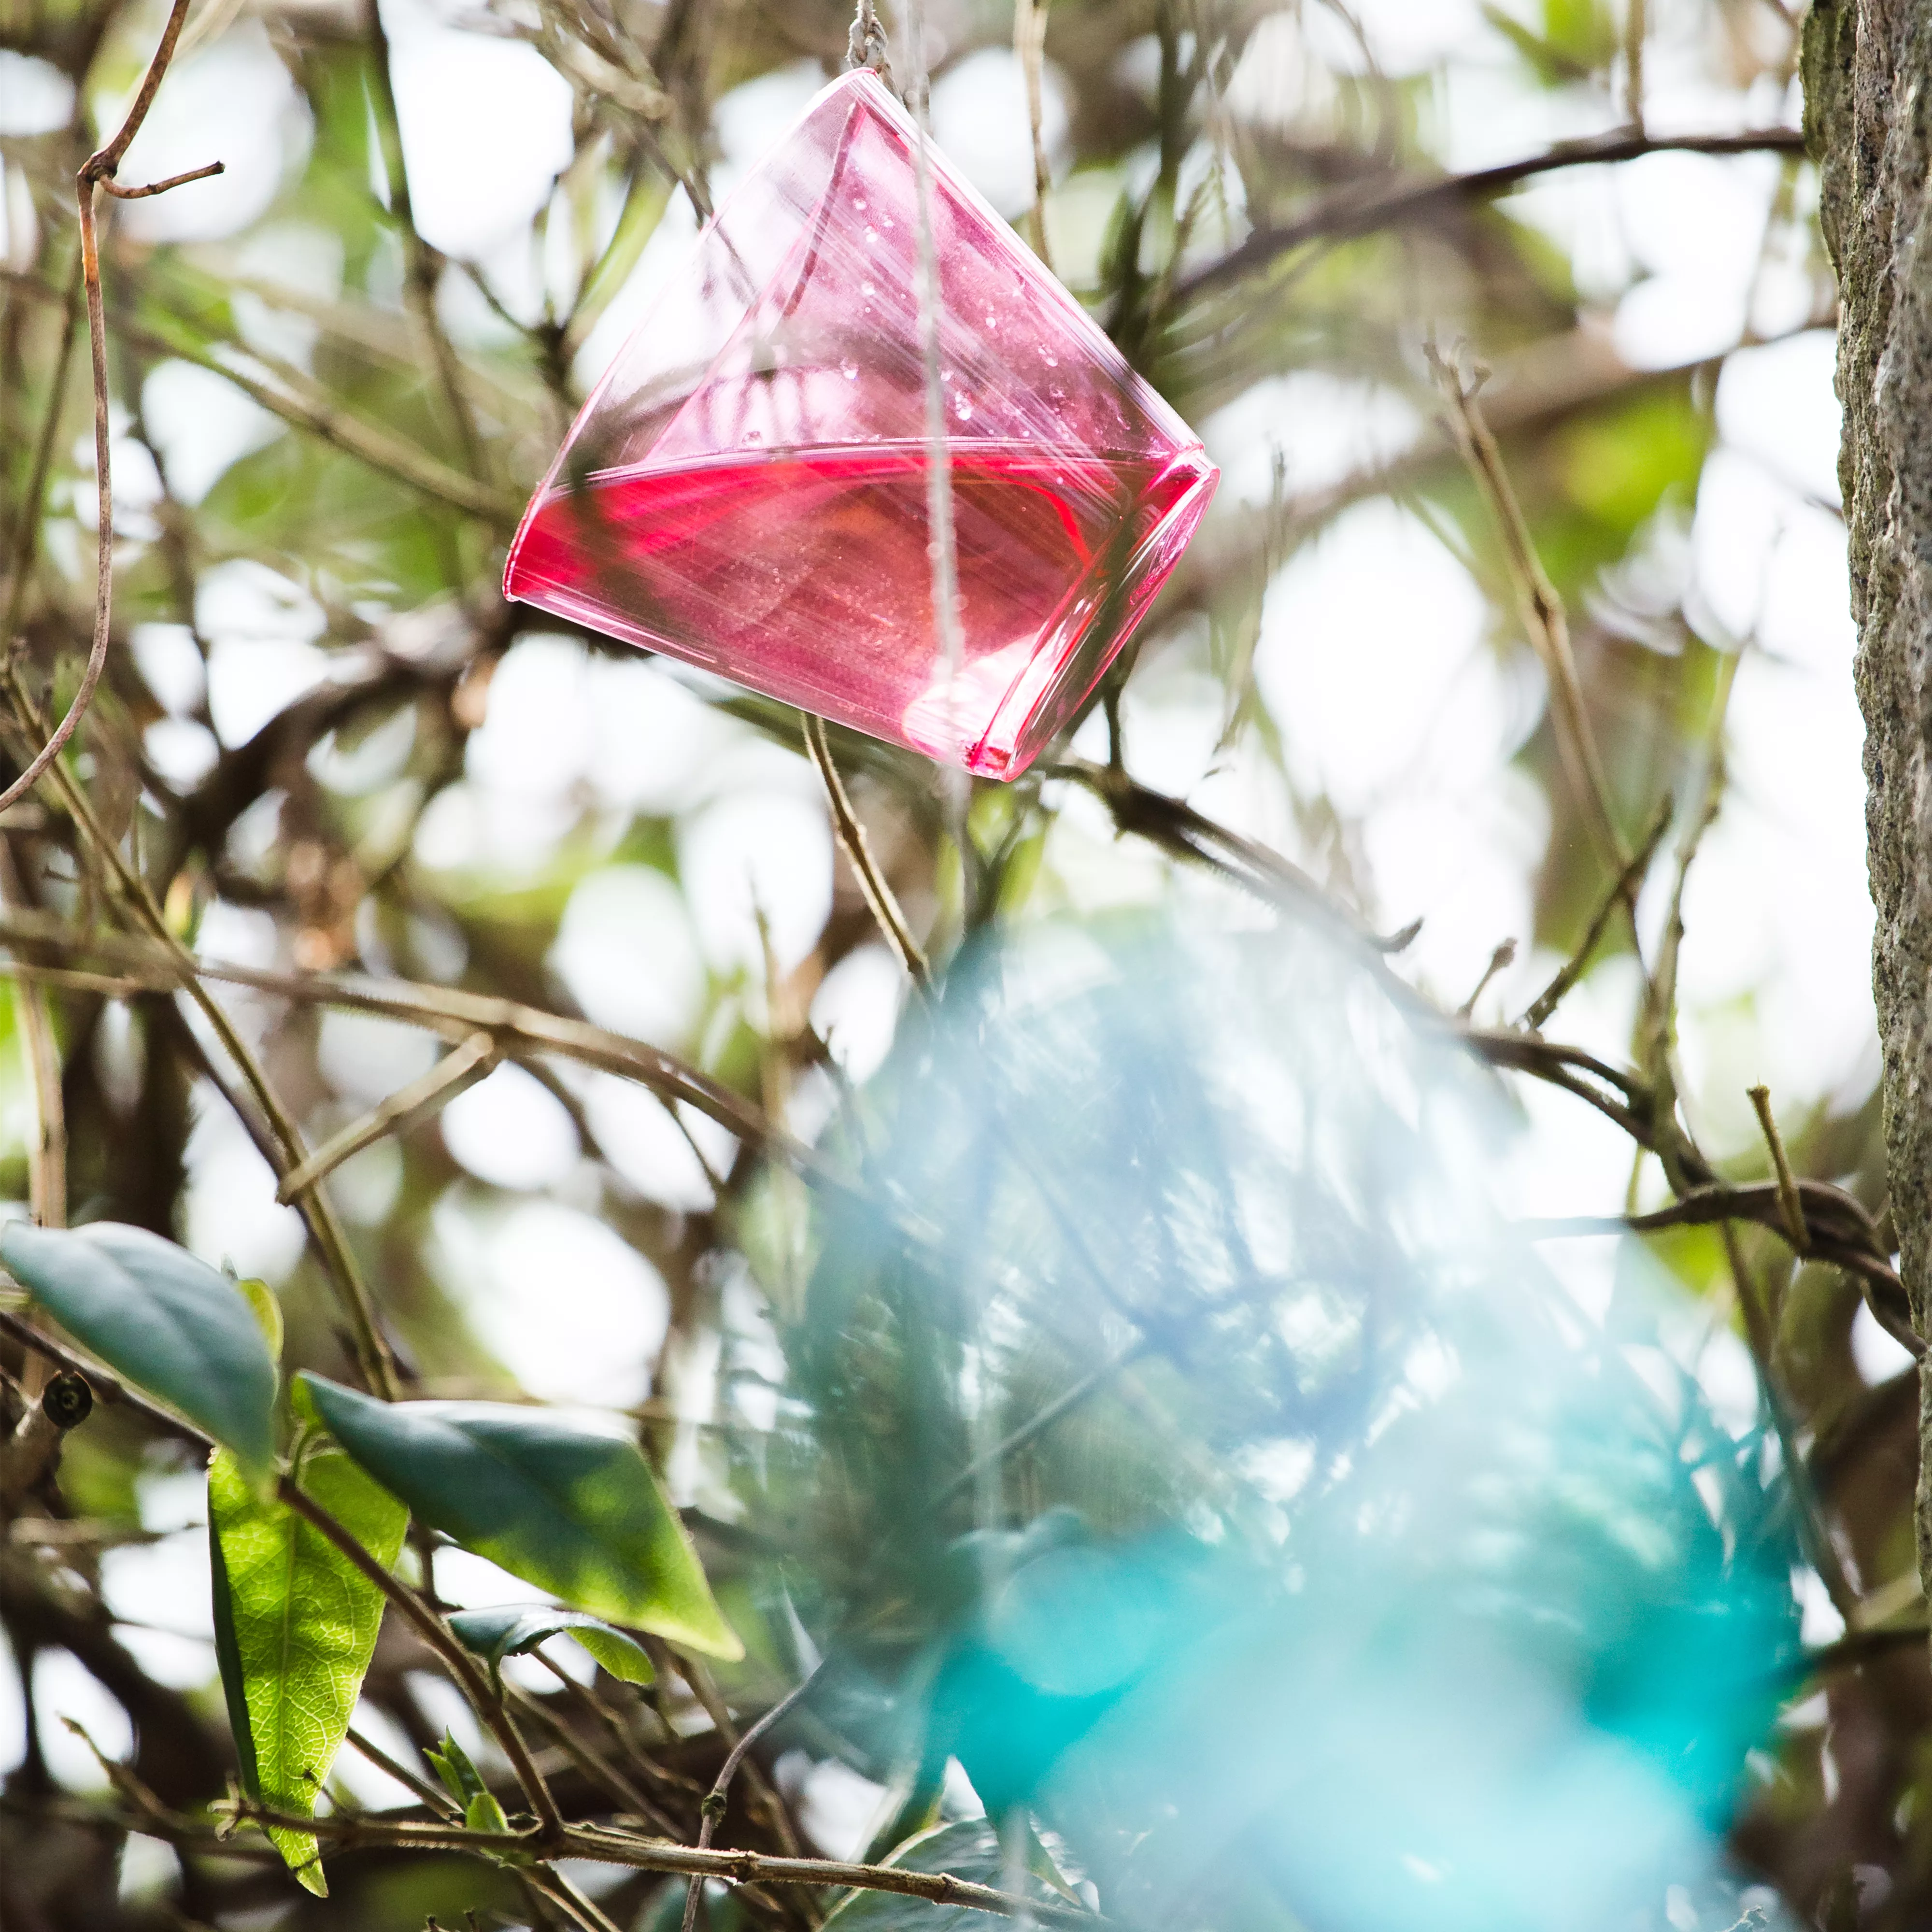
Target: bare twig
x=306, y=405
x=204, y=173
x=712, y=1813
x=438, y=1800
x=1623, y=891
x=1814, y=1531
x=419, y=269
x=592, y=1763
x=1356, y=211
x=519, y=1030
x=612, y=1845
x=1543, y=617
x=1176, y=827
x=1029, y=46
x=1788, y=1201
x=879, y=895
x=1656, y=1041
x=107, y=1387
x=570, y=1898
x=97, y=170
x=46, y=1149
x=456, y=1071
x=1635, y=27
x=1842, y=1234
x=1500, y=960
x=1095, y=1379
x=692, y=1670
x=27, y=538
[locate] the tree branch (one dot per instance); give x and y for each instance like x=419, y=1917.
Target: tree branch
x=1361, y=210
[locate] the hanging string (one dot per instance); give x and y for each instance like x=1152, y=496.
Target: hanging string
x=866, y=45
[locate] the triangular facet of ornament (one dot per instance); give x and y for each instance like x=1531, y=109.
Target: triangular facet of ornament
x=747, y=488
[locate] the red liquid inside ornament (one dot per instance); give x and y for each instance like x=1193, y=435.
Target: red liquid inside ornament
x=765, y=515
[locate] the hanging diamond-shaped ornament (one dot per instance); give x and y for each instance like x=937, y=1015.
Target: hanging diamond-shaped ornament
x=746, y=488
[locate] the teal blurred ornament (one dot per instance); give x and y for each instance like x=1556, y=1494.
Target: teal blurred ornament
x=1188, y=1450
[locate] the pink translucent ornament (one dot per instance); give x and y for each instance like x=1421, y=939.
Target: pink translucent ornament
x=746, y=488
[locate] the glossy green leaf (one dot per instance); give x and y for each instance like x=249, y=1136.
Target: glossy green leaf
x=496, y=1634
x=182, y=1330
x=568, y=1505
x=295, y=1626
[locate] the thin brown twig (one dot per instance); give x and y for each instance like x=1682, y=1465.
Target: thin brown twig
x=1789, y=1202
x=1635, y=28
x=282, y=1145
x=1856, y=1251
x=607, y=1844
x=203, y=173
x=711, y=1814
x=1501, y=959
x=455, y=1012
x=1623, y=891
x=1656, y=1040
x=1357, y=211
x=588, y=1759
x=552, y=1886
x=873, y=884
x=1030, y=46
x=692, y=1670
x=378, y=1363
x=46, y=1149
x=1543, y=617
x=1175, y=826
x=437, y=1800
x=1814, y=1531
x=107, y=1387
x=419, y=269
x=456, y=1072
x=26, y=542
x=97, y=170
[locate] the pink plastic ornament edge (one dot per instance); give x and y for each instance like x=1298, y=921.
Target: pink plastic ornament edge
x=1020, y=710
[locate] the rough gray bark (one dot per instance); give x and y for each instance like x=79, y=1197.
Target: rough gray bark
x=1868, y=111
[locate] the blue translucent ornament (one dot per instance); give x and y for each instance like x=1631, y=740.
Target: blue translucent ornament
x=1188, y=1450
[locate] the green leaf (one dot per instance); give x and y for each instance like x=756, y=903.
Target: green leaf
x=150, y=1310
x=495, y=1634
x=971, y=1850
x=261, y=1298
x=567, y=1505
x=295, y=1626
x=464, y=1782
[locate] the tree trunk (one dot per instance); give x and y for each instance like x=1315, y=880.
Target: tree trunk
x=1868, y=113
